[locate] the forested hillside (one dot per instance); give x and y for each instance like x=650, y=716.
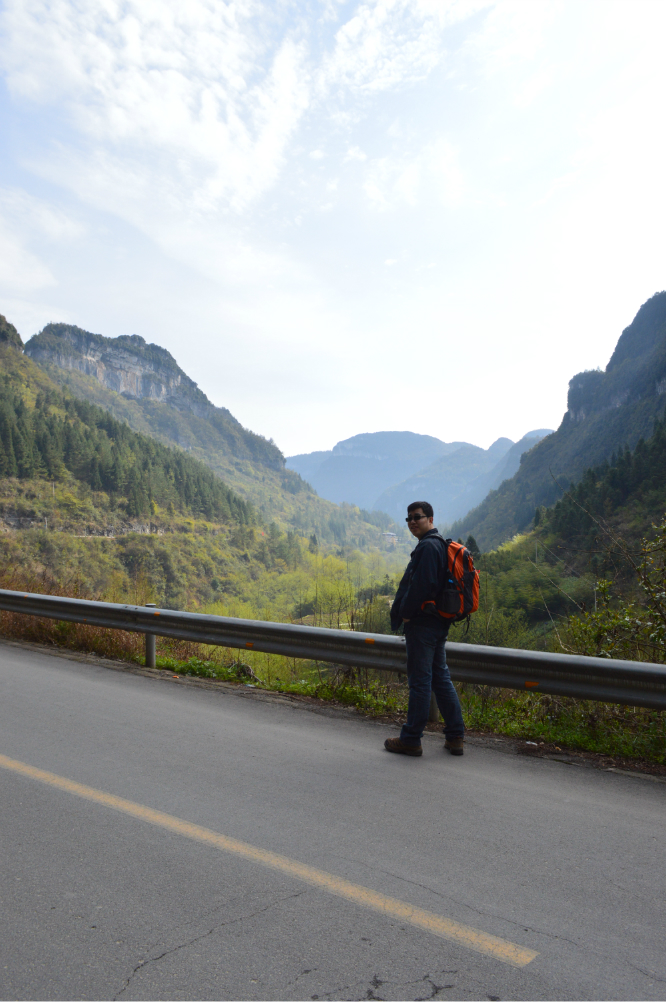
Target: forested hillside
x=119, y=475
x=61, y=436
x=574, y=582
x=58, y=435
x=623, y=498
x=594, y=532
x=607, y=412
x=9, y=335
x=90, y=507
x=142, y=385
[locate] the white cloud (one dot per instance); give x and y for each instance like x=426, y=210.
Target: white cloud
x=196, y=104
x=26, y=221
x=515, y=33
x=196, y=92
x=185, y=113
x=433, y=175
x=498, y=185
x=391, y=43
x=20, y=270
x=37, y=218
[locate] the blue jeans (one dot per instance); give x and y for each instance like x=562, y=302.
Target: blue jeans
x=427, y=670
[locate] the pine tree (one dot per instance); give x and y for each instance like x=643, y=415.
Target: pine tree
x=472, y=546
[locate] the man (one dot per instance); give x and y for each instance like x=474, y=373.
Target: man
x=425, y=633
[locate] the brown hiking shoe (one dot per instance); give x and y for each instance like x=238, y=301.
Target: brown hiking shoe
x=455, y=746
x=396, y=745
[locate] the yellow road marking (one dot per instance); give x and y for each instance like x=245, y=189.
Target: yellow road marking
x=482, y=942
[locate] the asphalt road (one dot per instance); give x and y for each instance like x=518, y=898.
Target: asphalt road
x=100, y=904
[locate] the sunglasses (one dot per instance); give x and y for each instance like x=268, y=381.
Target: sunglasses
x=415, y=518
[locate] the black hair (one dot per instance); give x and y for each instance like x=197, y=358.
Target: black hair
x=425, y=507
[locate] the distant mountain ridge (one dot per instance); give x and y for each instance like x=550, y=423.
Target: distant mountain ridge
x=607, y=411
x=358, y=469
x=385, y=471
x=460, y=480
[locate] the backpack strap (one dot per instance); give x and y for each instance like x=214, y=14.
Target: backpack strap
x=446, y=549
x=446, y=542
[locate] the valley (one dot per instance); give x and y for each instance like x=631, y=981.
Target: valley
x=119, y=480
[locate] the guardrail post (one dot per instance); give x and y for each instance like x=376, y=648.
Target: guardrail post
x=151, y=652
x=434, y=709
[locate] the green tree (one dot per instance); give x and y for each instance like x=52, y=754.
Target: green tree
x=471, y=545
x=625, y=629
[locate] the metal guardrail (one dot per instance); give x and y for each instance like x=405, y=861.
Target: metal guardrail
x=632, y=683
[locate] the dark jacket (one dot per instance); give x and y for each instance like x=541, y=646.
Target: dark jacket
x=421, y=581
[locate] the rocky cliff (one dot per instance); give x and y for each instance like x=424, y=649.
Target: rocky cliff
x=143, y=385
x=125, y=364
x=607, y=411
x=635, y=372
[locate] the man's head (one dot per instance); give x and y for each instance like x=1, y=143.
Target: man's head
x=419, y=518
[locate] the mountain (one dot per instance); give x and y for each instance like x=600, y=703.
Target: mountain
x=442, y=481
x=386, y=470
x=307, y=464
x=358, y=469
x=142, y=385
x=9, y=335
x=116, y=474
x=627, y=494
x=92, y=509
x=149, y=375
x=607, y=411
x=509, y=464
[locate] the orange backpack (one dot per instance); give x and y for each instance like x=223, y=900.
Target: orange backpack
x=459, y=597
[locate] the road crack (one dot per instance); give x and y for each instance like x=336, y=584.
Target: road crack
x=465, y=904
x=376, y=983
x=648, y=974
x=204, y=935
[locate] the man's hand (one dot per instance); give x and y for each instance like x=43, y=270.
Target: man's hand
x=405, y=620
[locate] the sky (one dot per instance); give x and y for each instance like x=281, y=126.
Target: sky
x=340, y=217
